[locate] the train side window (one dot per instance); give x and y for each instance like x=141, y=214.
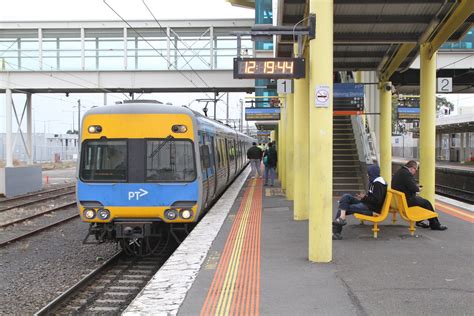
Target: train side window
x=205, y=156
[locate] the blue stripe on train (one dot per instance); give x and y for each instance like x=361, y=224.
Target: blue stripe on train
x=137, y=194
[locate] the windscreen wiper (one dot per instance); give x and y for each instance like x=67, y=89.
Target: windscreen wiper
x=166, y=141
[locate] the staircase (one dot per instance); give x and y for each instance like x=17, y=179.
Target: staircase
x=346, y=170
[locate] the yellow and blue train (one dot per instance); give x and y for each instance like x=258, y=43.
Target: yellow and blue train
x=147, y=171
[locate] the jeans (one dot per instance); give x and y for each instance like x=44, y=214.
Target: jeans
x=352, y=205
x=255, y=165
x=269, y=171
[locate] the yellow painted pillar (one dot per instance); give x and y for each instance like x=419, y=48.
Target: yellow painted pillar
x=358, y=76
x=278, y=148
x=320, y=136
x=385, y=132
x=427, y=122
x=289, y=147
x=283, y=146
x=301, y=149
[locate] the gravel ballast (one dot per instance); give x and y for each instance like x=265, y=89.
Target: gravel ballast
x=36, y=270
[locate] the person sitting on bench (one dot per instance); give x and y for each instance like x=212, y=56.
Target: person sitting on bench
x=369, y=204
x=404, y=181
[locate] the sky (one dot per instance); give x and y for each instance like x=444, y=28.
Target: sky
x=54, y=112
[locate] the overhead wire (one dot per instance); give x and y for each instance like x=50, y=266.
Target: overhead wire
x=157, y=51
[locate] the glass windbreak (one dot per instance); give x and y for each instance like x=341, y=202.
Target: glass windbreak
x=170, y=160
x=104, y=160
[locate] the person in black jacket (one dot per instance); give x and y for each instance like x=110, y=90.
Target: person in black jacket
x=404, y=181
x=369, y=204
x=254, y=154
x=270, y=158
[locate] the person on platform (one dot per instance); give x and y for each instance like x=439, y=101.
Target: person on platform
x=254, y=154
x=270, y=158
x=370, y=203
x=404, y=181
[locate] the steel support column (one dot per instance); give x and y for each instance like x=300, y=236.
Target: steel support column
x=385, y=132
x=289, y=147
x=301, y=149
x=427, y=121
x=9, y=127
x=283, y=133
x=320, y=133
x=29, y=128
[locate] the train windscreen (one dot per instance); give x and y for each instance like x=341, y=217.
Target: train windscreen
x=104, y=160
x=170, y=160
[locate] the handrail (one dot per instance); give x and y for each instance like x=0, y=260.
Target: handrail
x=362, y=140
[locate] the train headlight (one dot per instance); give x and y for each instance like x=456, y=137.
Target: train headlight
x=186, y=214
x=89, y=213
x=171, y=214
x=179, y=128
x=103, y=214
x=94, y=129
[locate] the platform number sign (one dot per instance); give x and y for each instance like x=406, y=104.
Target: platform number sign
x=445, y=85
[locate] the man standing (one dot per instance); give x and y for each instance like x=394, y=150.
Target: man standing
x=271, y=161
x=404, y=181
x=254, y=154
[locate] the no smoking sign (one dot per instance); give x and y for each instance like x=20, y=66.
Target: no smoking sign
x=322, y=96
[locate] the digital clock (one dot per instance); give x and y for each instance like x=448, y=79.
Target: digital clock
x=269, y=68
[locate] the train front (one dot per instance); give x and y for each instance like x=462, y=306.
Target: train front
x=137, y=178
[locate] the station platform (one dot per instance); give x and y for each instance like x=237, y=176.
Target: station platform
x=248, y=256
x=440, y=164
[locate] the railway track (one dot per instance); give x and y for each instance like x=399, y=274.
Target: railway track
x=455, y=193
x=29, y=199
x=110, y=288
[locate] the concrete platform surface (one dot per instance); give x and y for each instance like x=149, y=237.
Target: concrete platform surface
x=431, y=273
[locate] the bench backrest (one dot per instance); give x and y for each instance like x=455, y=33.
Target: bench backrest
x=400, y=200
x=386, y=204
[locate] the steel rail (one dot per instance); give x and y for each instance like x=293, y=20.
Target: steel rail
x=37, y=215
x=37, y=200
x=50, y=307
x=4, y=243
x=36, y=193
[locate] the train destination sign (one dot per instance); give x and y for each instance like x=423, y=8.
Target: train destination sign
x=269, y=68
x=408, y=113
x=348, y=98
x=262, y=114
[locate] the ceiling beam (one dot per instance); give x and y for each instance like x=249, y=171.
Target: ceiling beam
x=386, y=38
x=462, y=12
x=355, y=66
x=382, y=19
x=402, y=53
x=357, y=2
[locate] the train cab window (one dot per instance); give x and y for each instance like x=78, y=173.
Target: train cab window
x=170, y=160
x=104, y=160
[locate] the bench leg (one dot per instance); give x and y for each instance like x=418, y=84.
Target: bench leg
x=362, y=222
x=412, y=228
x=375, y=230
x=394, y=217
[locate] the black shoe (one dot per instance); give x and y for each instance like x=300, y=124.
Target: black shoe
x=339, y=221
x=439, y=227
x=336, y=236
x=422, y=225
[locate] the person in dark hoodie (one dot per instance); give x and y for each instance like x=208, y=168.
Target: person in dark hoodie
x=404, y=181
x=369, y=204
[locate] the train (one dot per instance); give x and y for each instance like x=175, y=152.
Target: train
x=149, y=171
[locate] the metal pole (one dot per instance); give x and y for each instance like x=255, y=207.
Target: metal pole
x=78, y=116
x=386, y=132
x=241, y=115
x=215, y=104
x=289, y=146
x=227, y=110
x=29, y=128
x=427, y=121
x=320, y=131
x=9, y=127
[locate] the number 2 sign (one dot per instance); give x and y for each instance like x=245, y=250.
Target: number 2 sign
x=445, y=85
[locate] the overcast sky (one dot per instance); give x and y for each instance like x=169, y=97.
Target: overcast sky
x=53, y=112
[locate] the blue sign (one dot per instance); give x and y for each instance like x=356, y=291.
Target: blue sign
x=262, y=114
x=408, y=113
x=348, y=97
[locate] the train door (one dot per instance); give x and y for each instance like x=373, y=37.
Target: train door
x=212, y=167
x=204, y=165
x=219, y=164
